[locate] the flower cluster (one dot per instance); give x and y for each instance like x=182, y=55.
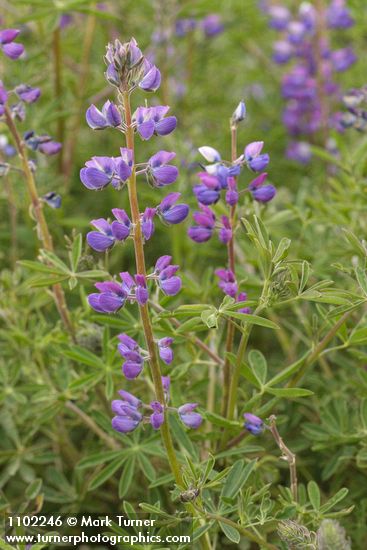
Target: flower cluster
x=308, y=85
x=24, y=95
x=220, y=180
x=128, y=69
x=130, y=411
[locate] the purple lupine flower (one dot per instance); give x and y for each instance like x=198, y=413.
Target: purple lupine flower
x=212, y=25
x=44, y=144
x=227, y=281
x=184, y=25
x=164, y=349
x=299, y=151
x=225, y=233
x=3, y=98
x=112, y=295
x=9, y=47
x=147, y=224
x=27, y=93
x=342, y=59
x=253, y=424
x=101, y=171
x=296, y=32
x=279, y=17
x=232, y=195
x=141, y=291
x=107, y=234
x=189, y=417
x=338, y=15
x=157, y=418
x=205, y=221
x=209, y=191
x=166, y=382
x=152, y=120
x=128, y=417
x=282, y=51
x=109, y=117
x=128, y=397
x=130, y=351
x=265, y=193
x=161, y=173
x=168, y=281
x=242, y=297
x=170, y=212
x=151, y=80
x=255, y=160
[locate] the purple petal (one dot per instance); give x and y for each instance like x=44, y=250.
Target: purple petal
x=110, y=303
x=166, y=126
x=162, y=157
x=99, y=241
x=93, y=178
x=200, y=234
x=112, y=114
x=120, y=231
x=8, y=35
x=165, y=175
x=176, y=214
x=166, y=354
x=131, y=370
x=13, y=50
x=93, y=300
x=169, y=200
x=146, y=129
x=151, y=80
x=253, y=149
x=123, y=170
x=162, y=263
x=102, y=225
x=95, y=119
x=50, y=147
x=264, y=194
x=134, y=401
x=171, y=286
x=124, y=424
x=156, y=420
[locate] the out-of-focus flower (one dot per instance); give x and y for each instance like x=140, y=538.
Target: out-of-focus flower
x=27, y=93
x=253, y=424
x=189, y=417
x=227, y=281
x=11, y=49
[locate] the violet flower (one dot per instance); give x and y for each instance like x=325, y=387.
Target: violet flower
x=165, y=350
x=102, y=171
x=161, y=173
x=147, y=224
x=253, y=424
x=152, y=120
x=109, y=117
x=157, y=418
x=27, y=93
x=227, y=282
x=205, y=221
x=11, y=49
x=189, y=417
x=108, y=233
x=170, y=212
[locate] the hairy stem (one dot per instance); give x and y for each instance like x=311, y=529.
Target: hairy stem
x=287, y=455
x=42, y=227
x=144, y=311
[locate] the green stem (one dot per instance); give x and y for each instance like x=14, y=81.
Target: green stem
x=144, y=311
x=42, y=227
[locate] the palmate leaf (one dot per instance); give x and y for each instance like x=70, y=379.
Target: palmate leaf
x=237, y=477
x=107, y=472
x=251, y=319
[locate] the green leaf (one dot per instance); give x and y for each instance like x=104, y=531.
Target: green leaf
x=84, y=356
x=361, y=278
x=288, y=371
x=340, y=495
x=54, y=260
x=251, y=319
x=314, y=494
x=106, y=473
x=38, y=266
x=146, y=467
x=33, y=489
x=220, y=420
x=230, y=532
x=289, y=392
x=181, y=436
x=76, y=252
x=97, y=458
x=258, y=365
x=305, y=273
x=92, y=274
x=237, y=477
x=126, y=476
x=354, y=242
x=282, y=250
x=210, y=317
